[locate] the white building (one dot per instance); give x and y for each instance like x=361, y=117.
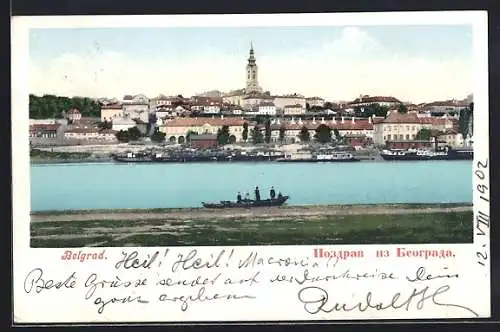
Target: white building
x=266, y=108
x=136, y=107
x=295, y=99
x=315, y=101
x=296, y=109
x=110, y=112
x=122, y=124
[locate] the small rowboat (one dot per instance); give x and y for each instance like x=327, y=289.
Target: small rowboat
x=248, y=203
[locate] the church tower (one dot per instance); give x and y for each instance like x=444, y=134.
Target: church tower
x=251, y=72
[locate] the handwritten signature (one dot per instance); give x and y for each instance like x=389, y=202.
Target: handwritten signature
x=316, y=299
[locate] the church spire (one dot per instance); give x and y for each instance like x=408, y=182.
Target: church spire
x=251, y=58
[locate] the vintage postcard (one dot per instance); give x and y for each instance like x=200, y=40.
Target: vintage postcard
x=231, y=168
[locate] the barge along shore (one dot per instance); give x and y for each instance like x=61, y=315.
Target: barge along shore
x=286, y=212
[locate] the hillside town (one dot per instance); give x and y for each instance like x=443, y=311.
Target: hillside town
x=253, y=116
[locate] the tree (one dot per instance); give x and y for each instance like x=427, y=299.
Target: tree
x=282, y=133
x=105, y=125
x=158, y=136
x=323, y=133
x=337, y=134
x=423, y=134
x=190, y=134
x=304, y=134
x=51, y=106
x=122, y=136
x=134, y=133
x=244, y=134
x=268, y=132
x=402, y=108
x=257, y=136
x=223, y=135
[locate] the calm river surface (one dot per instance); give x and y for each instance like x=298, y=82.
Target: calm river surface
x=151, y=185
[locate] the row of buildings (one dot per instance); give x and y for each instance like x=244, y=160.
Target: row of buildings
x=396, y=127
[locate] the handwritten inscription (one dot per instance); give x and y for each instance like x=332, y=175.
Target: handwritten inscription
x=481, y=217
x=36, y=282
x=317, y=299
x=194, y=277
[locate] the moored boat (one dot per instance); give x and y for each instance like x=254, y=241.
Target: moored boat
x=419, y=154
x=330, y=156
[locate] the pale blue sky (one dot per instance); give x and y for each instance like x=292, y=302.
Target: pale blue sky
x=375, y=60
x=427, y=41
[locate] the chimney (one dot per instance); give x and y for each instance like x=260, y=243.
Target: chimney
x=314, y=120
x=322, y=120
x=278, y=121
x=342, y=120
x=370, y=120
x=300, y=120
x=333, y=120
x=352, y=120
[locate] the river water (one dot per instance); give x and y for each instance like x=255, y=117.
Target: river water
x=152, y=185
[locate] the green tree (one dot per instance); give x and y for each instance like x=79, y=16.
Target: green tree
x=244, y=134
x=268, y=132
x=423, y=134
x=122, y=136
x=337, y=134
x=304, y=134
x=257, y=136
x=105, y=125
x=282, y=133
x=51, y=106
x=223, y=135
x=402, y=108
x=190, y=134
x=158, y=136
x=323, y=133
x=134, y=133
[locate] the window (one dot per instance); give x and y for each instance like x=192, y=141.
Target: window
x=407, y=137
x=407, y=127
x=389, y=129
x=389, y=137
x=385, y=137
x=401, y=137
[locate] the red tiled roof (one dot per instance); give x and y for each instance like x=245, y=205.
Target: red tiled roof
x=196, y=122
x=452, y=103
x=397, y=117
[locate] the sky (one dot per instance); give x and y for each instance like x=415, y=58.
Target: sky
x=413, y=63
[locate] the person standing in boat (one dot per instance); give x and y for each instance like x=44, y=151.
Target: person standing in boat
x=257, y=194
x=238, y=197
x=272, y=193
x=280, y=196
x=247, y=196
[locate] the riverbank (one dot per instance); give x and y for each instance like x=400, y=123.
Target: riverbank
x=287, y=211
x=417, y=225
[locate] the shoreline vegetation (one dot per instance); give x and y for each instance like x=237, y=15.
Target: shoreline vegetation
x=289, y=225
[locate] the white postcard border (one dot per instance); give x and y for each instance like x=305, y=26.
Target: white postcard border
x=274, y=303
